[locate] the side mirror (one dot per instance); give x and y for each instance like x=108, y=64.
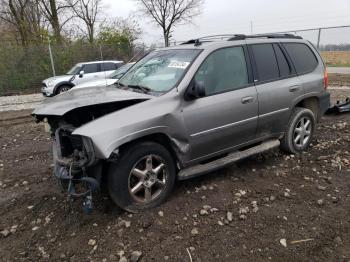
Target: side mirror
x=195, y=90
x=81, y=74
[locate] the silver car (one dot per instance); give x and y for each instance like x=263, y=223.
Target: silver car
x=185, y=111
x=109, y=80
x=78, y=74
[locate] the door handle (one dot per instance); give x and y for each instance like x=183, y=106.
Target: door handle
x=247, y=99
x=294, y=88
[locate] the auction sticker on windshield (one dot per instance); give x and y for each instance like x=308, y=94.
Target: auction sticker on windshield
x=178, y=64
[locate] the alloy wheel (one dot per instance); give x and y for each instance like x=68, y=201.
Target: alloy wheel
x=148, y=178
x=302, y=132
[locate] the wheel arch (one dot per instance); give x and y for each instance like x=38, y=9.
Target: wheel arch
x=171, y=144
x=312, y=103
x=61, y=84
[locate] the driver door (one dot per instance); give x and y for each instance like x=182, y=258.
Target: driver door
x=228, y=114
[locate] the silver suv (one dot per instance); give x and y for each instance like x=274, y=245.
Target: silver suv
x=185, y=111
x=78, y=74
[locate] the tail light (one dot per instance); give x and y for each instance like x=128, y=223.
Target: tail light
x=325, y=78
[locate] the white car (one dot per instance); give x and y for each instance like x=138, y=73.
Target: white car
x=110, y=80
x=80, y=73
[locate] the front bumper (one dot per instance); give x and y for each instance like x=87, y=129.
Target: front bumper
x=46, y=91
x=75, y=165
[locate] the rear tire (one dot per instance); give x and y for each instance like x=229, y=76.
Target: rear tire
x=299, y=131
x=62, y=89
x=143, y=177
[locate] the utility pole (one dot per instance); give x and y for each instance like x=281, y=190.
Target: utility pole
x=319, y=38
x=51, y=58
x=251, y=27
x=101, y=54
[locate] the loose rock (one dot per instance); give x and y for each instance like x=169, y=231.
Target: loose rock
x=320, y=202
x=322, y=188
x=92, y=242
x=5, y=232
x=229, y=216
x=203, y=212
x=135, y=256
x=283, y=242
x=194, y=231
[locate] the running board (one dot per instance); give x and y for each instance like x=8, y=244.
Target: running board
x=203, y=169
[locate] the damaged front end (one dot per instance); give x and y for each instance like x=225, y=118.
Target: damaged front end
x=76, y=166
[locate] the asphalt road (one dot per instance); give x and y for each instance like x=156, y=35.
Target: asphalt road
x=338, y=70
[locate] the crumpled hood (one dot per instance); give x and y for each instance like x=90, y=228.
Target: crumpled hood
x=75, y=98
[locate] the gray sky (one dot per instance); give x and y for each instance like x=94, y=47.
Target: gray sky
x=235, y=16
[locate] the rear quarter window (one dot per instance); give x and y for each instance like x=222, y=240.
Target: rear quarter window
x=302, y=56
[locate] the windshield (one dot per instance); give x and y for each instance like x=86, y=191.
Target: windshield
x=74, y=70
x=120, y=71
x=160, y=70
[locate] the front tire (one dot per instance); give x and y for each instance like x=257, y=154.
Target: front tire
x=143, y=177
x=299, y=131
x=62, y=89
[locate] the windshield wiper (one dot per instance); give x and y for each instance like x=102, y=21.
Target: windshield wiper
x=144, y=89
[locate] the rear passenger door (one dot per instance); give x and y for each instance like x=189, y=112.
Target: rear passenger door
x=277, y=85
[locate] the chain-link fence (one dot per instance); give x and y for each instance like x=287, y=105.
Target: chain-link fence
x=333, y=42
x=22, y=69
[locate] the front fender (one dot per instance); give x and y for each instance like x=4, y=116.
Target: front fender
x=158, y=115
x=118, y=141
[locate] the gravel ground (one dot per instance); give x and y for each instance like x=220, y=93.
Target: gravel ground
x=20, y=102
x=271, y=207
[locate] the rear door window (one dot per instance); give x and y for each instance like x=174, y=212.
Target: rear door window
x=266, y=62
x=283, y=65
x=303, y=58
x=91, y=68
x=108, y=66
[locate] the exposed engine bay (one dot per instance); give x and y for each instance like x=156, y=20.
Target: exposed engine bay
x=75, y=164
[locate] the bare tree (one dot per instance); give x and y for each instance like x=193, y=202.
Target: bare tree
x=54, y=11
x=87, y=11
x=25, y=17
x=169, y=13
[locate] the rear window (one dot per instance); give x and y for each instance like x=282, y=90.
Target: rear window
x=303, y=58
x=266, y=62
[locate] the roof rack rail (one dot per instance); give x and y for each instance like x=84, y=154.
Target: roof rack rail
x=242, y=37
x=209, y=38
x=235, y=37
